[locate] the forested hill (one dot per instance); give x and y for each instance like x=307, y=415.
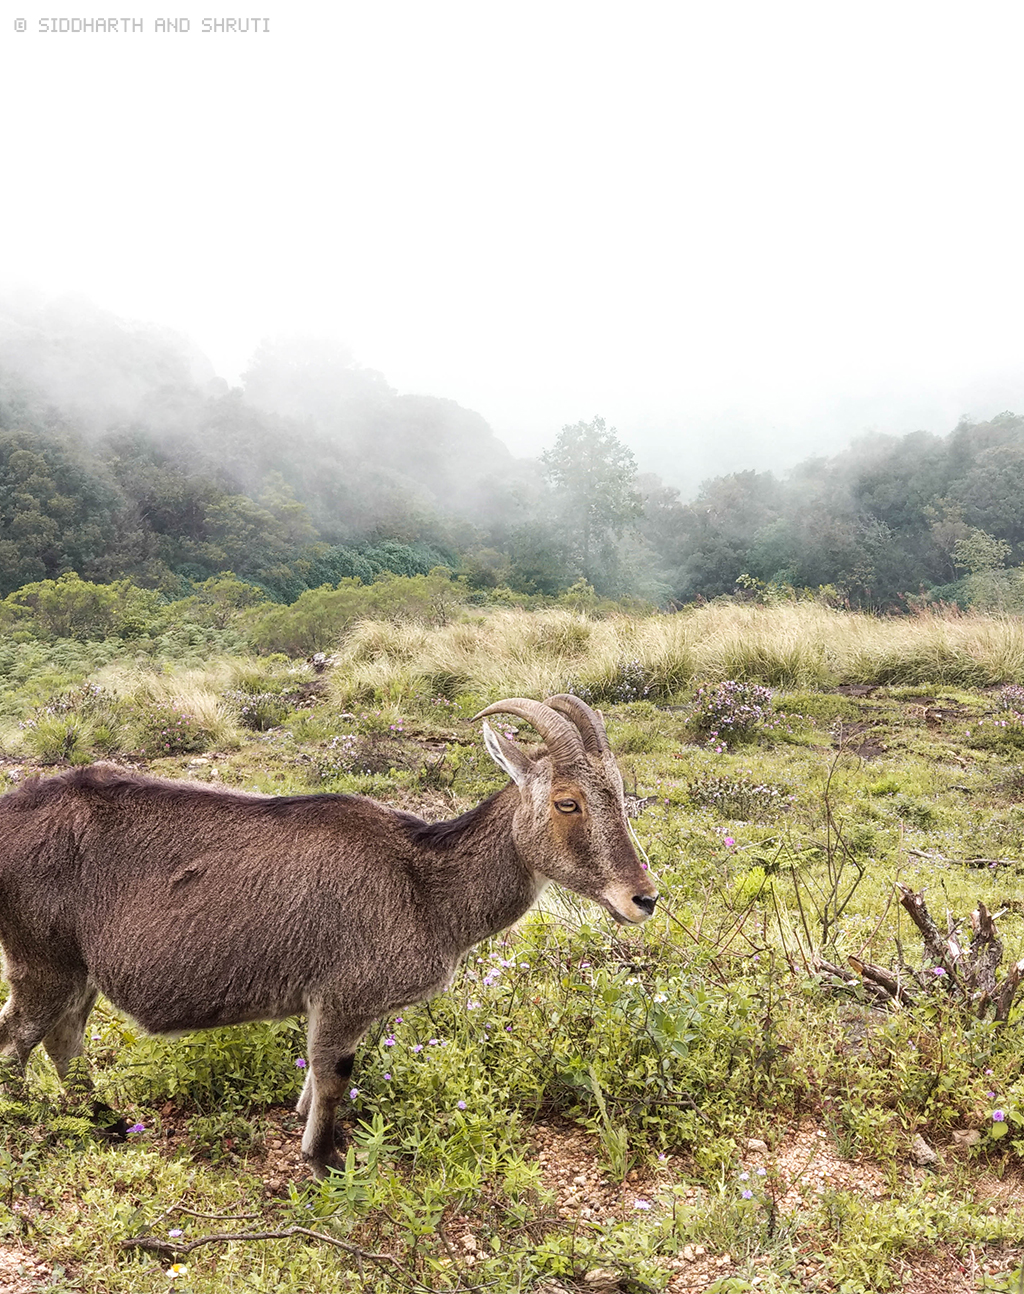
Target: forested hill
x=122, y=453
x=888, y=517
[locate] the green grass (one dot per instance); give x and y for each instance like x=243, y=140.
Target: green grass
x=658, y=1053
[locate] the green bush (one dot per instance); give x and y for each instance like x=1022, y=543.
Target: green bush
x=171, y=730
x=70, y=607
x=739, y=797
x=318, y=619
x=259, y=711
x=54, y=738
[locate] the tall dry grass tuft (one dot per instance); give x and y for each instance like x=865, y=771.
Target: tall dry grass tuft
x=196, y=692
x=799, y=645
x=511, y=652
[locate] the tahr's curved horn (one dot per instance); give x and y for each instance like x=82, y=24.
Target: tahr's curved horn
x=588, y=721
x=561, y=737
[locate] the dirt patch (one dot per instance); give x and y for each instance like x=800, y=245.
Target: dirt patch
x=796, y=1172
x=21, y=1272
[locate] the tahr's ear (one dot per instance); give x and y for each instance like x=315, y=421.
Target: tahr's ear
x=507, y=755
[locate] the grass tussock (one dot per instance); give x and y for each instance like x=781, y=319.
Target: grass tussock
x=797, y=646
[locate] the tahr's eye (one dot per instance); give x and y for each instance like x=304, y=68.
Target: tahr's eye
x=567, y=806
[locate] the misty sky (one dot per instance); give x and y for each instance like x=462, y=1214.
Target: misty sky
x=740, y=232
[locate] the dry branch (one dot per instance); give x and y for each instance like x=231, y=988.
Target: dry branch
x=877, y=977
x=176, y=1249
x=943, y=952
x=965, y=862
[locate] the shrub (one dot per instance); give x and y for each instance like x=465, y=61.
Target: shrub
x=320, y=617
x=731, y=711
x=739, y=797
x=171, y=730
x=259, y=711
x=53, y=738
x=624, y=682
x=71, y=607
x=74, y=724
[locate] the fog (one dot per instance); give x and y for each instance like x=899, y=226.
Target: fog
x=740, y=233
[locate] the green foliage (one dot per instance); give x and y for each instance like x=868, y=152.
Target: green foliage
x=259, y=711
x=70, y=607
x=320, y=617
x=56, y=738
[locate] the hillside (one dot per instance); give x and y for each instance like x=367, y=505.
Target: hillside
x=775, y=1084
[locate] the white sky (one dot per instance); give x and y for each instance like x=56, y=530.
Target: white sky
x=738, y=231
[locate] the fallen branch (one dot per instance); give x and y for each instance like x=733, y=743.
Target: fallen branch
x=968, y=974
x=878, y=977
x=178, y=1249
x=965, y=862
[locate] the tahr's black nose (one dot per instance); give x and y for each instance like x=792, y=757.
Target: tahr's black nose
x=645, y=903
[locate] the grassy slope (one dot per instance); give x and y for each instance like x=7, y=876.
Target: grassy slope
x=670, y=1048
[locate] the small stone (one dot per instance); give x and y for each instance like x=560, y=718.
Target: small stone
x=966, y=1136
x=601, y=1276
x=688, y=1253
x=756, y=1144
x=922, y=1153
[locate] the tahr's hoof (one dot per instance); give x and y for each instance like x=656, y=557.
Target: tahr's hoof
x=322, y=1168
x=108, y=1124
